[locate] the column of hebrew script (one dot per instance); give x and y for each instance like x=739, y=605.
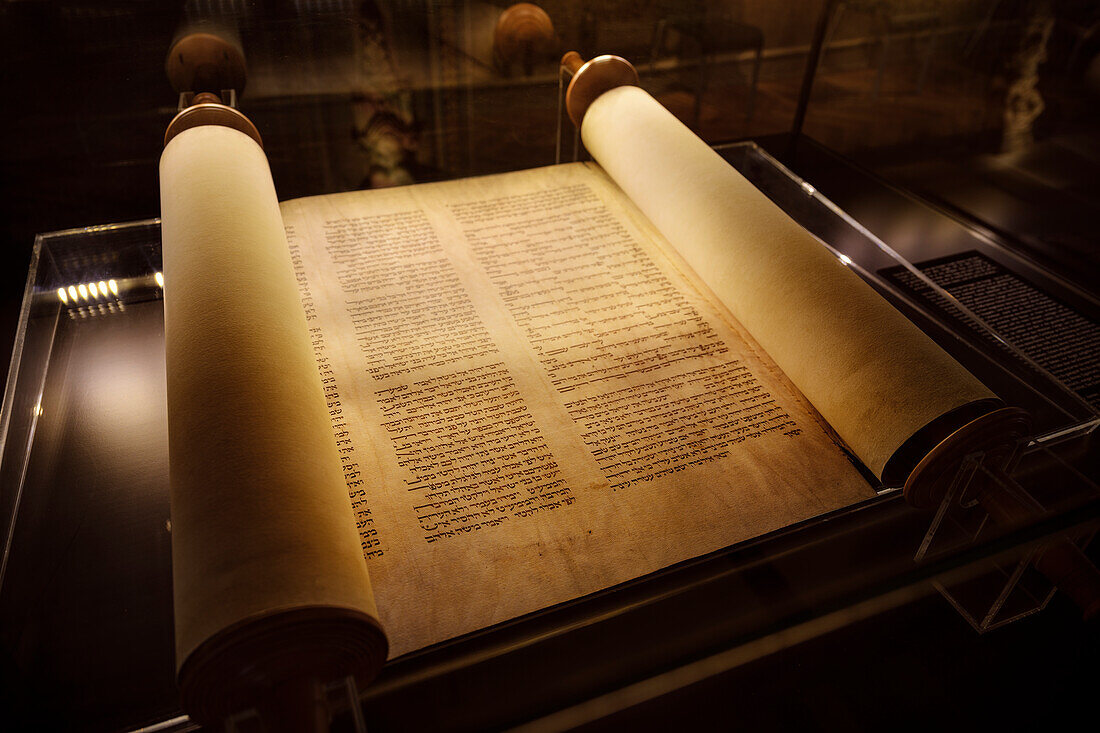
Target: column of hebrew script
x=653, y=386
x=538, y=399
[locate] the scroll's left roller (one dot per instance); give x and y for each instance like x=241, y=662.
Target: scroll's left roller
x=271, y=591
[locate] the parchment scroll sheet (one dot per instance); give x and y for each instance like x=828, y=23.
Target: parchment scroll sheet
x=534, y=398
x=874, y=376
x=260, y=515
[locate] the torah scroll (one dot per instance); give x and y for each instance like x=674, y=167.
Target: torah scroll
x=269, y=580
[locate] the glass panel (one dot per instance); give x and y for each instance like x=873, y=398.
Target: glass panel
x=389, y=94
x=986, y=343
x=985, y=108
x=85, y=586
x=351, y=94
x=87, y=581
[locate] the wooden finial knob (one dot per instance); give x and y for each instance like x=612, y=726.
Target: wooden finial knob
x=523, y=32
x=205, y=62
x=571, y=62
x=592, y=79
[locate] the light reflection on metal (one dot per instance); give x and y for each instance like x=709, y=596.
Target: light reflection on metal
x=62, y=295
x=159, y=277
x=83, y=290
x=845, y=259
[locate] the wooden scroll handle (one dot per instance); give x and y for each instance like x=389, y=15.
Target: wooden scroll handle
x=523, y=34
x=207, y=109
x=593, y=78
x=205, y=62
x=1008, y=504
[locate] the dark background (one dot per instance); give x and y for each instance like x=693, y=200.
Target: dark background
x=86, y=104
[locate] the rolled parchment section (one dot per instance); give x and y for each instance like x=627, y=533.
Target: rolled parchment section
x=878, y=380
x=270, y=583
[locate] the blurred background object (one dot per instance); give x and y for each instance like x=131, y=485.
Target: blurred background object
x=351, y=93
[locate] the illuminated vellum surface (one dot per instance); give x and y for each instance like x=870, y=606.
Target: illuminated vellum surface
x=535, y=401
x=874, y=376
x=525, y=389
x=261, y=520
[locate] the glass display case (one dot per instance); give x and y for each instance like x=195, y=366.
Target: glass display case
x=862, y=120
x=87, y=522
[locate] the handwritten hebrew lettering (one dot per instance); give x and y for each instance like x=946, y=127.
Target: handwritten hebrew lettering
x=615, y=335
x=544, y=400
x=593, y=305
x=369, y=538
x=471, y=451
x=406, y=302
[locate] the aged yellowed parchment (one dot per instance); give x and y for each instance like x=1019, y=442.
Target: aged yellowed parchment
x=534, y=400
x=260, y=512
x=874, y=376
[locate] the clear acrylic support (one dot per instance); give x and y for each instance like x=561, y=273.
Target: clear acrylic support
x=1011, y=588
x=564, y=123
x=228, y=96
x=959, y=519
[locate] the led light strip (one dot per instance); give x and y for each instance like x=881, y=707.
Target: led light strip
x=103, y=290
x=102, y=297
x=88, y=292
